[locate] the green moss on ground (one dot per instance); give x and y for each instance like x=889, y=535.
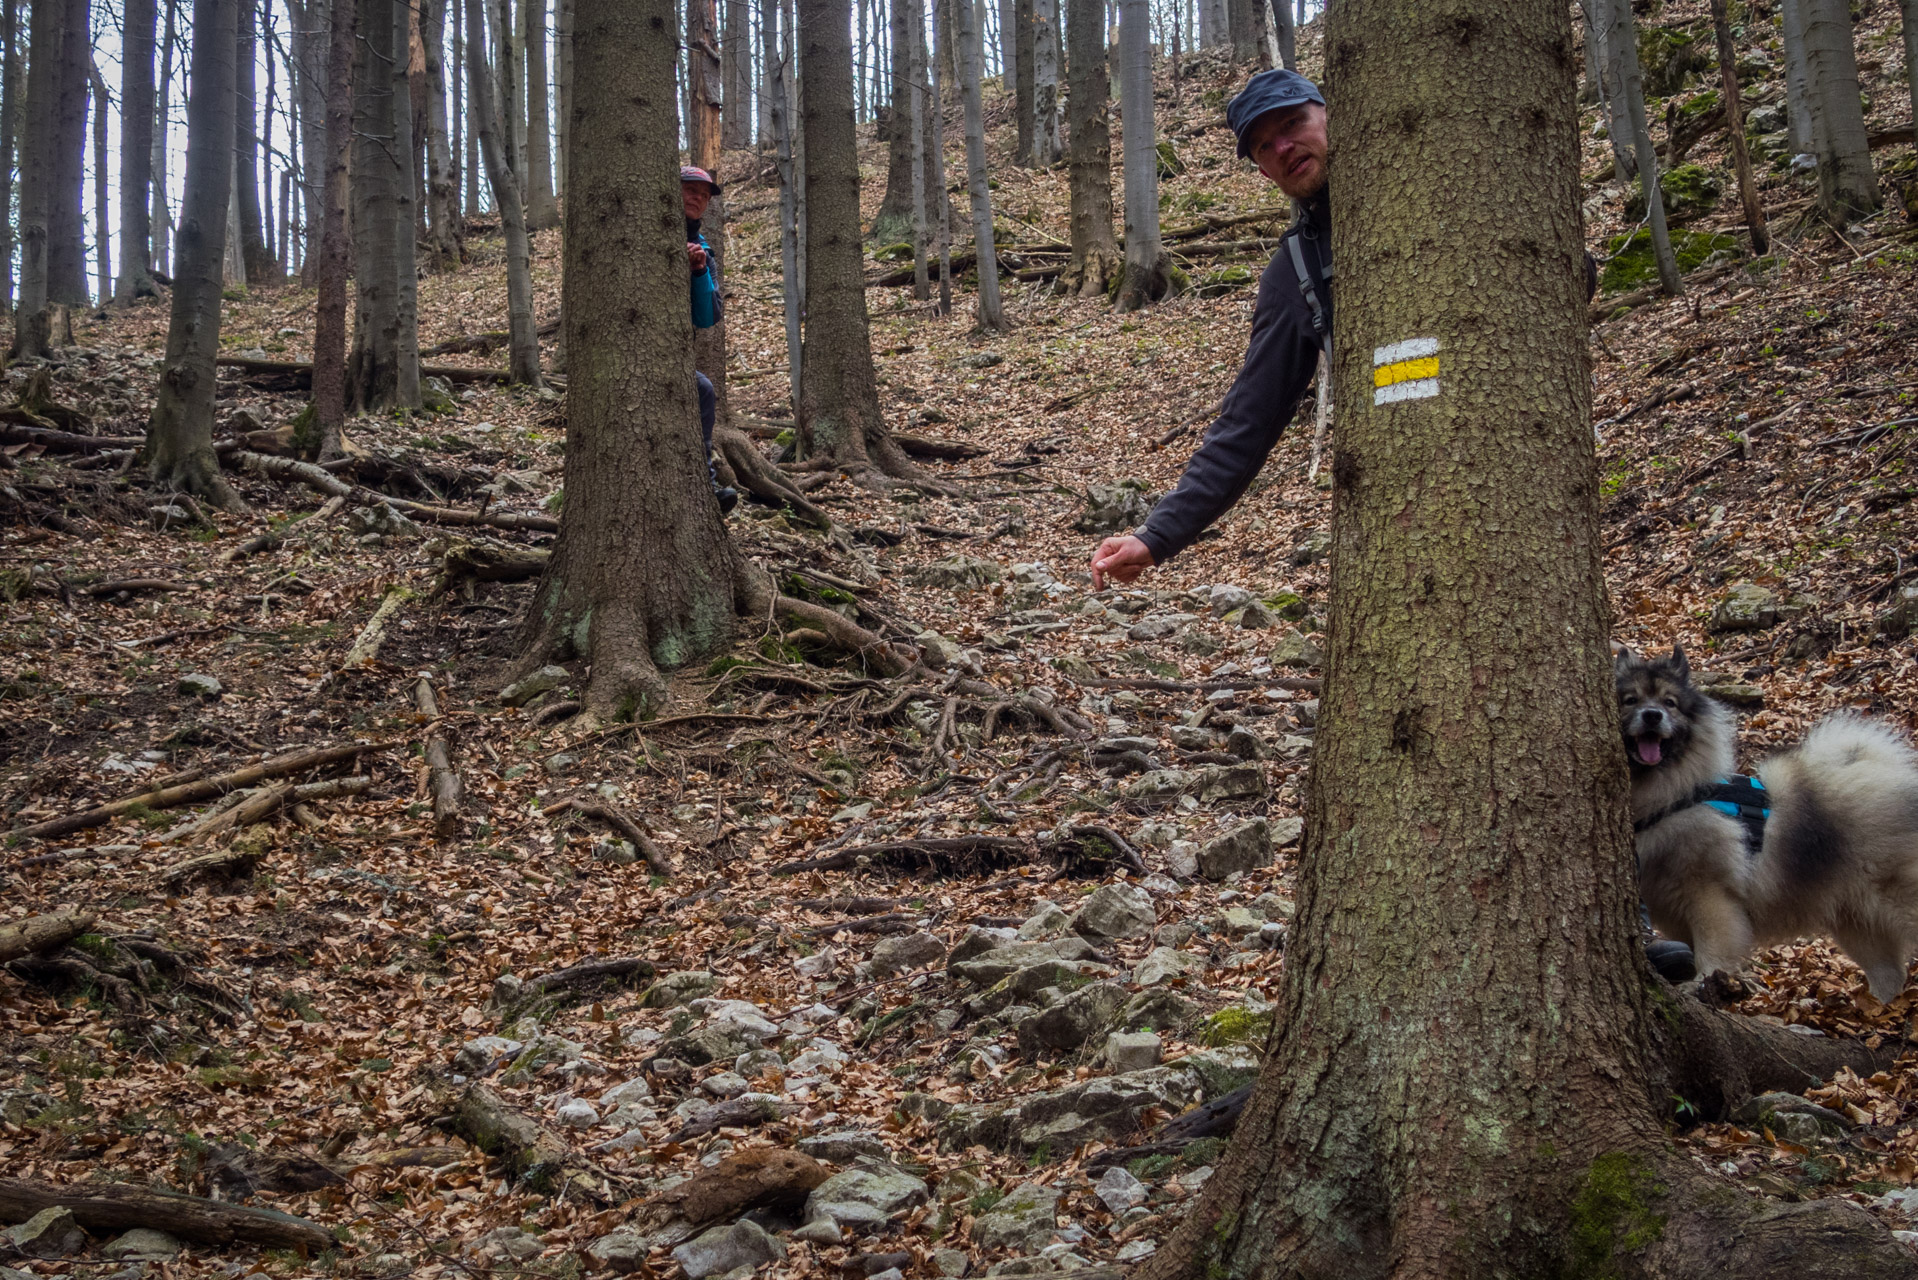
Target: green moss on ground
x=1632, y=264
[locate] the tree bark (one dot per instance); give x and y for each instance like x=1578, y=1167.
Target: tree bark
x=442, y=184
x=1618, y=118
x=330, y=264
x=1095, y=253
x=1286, y=27
x=1801, y=114
x=791, y=215
x=32, y=328
x=9, y=140
x=1459, y=1080
x=1847, y=184
x=1023, y=79
x=643, y=577
x=1242, y=26
x=1620, y=42
x=109, y=1210
x=1147, y=274
x=180, y=433
x=705, y=133
x=738, y=74
x=160, y=224
x=1735, y=129
x=246, y=154
x=523, y=348
x=894, y=218
x=136, y=150
x=383, y=368
x=1908, y=12
x=970, y=53
x=66, y=216
x=839, y=407
x=542, y=210
x=102, y=243
x=940, y=58
x=919, y=116
x=1047, y=147
x=309, y=23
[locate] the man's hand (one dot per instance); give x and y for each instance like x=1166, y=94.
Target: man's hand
x=697, y=253
x=1123, y=558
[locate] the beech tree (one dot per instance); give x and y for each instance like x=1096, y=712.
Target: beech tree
x=1847, y=184
x=160, y=220
x=1148, y=273
x=66, y=204
x=330, y=260
x=1618, y=118
x=383, y=368
x=542, y=211
x=1095, y=253
x=9, y=130
x=1471, y=1065
x=970, y=53
x=179, y=441
x=840, y=422
x=139, y=19
x=1619, y=40
x=523, y=342
x=1047, y=147
x=32, y=323
x=446, y=232
x=737, y=53
x=1799, y=110
x=260, y=266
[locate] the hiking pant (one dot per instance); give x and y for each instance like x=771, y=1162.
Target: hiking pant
x=708, y=411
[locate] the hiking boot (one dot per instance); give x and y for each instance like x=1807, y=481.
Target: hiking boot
x=727, y=497
x=1672, y=959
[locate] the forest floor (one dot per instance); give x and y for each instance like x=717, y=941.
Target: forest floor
x=292, y=1020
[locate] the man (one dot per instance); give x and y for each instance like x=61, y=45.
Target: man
x=1279, y=119
x=696, y=190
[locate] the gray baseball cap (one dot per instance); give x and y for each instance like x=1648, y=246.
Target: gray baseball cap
x=1268, y=91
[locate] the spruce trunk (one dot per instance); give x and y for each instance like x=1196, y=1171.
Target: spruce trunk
x=1095, y=252
x=136, y=150
x=1147, y=272
x=179, y=443
x=643, y=577
x=383, y=368
x=895, y=208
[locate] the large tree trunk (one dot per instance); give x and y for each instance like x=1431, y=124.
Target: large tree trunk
x=463, y=35
x=705, y=89
x=179, y=442
x=1459, y=1081
x=102, y=244
x=383, y=371
x=1243, y=23
x=66, y=205
x=643, y=577
x=1801, y=114
x=1148, y=273
x=1909, y=15
x=1619, y=39
x=523, y=344
x=1023, y=79
x=1286, y=27
x=792, y=214
x=136, y=150
x=839, y=407
x=940, y=58
x=1735, y=128
x=1618, y=117
x=309, y=22
x=1047, y=147
x=1095, y=253
x=912, y=35
x=9, y=132
x=1847, y=185
x=442, y=184
x=768, y=61
x=331, y=261
x=542, y=210
x=32, y=328
x=738, y=73
x=253, y=251
x=563, y=77
x=970, y=52
x=160, y=223
x=704, y=138
x=895, y=208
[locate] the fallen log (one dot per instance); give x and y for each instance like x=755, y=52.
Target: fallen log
x=481, y=343
x=463, y=562
x=1216, y=1118
x=56, y=441
x=130, y=585
x=366, y=645
x=533, y=1155
x=106, y=1210
x=775, y=1178
x=939, y=450
x=42, y=933
x=1611, y=308
x=620, y=822
x=262, y=803
x=576, y=976
x=736, y=1113
x=442, y=780
x=304, y=368
x=1000, y=850
x=200, y=789
x=289, y=470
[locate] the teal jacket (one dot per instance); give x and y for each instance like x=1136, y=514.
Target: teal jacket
x=705, y=289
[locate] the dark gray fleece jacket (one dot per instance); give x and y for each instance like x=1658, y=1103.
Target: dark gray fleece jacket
x=1280, y=362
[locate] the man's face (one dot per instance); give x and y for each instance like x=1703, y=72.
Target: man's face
x=1289, y=147
x=695, y=196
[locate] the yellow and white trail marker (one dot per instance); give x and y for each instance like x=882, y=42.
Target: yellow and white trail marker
x=1405, y=371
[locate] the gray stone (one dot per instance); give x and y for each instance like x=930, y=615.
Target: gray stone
x=1071, y=1022
x=903, y=953
x=1287, y=831
x=620, y=1250
x=50, y=1233
x=1113, y=912
x=742, y=1244
x=950, y=1263
x=1900, y=617
x=1118, y=1190
x=577, y=1114
x=510, y=1242
x=199, y=685
x=436, y=396
x=561, y=762
x=1193, y=737
x=1296, y=649
x=482, y=1054
x=381, y=520
x=678, y=988
x=634, y=1090
x=727, y=1084
x=1246, y=847
x=1223, y=598
x=1153, y=1009
x=843, y=1146
x=141, y=1242
x=821, y=1230
x=1254, y=617
x=1047, y=921
x=1245, y=744
x=1236, y=922
x=1024, y=1220
x=943, y=653
x=1159, y=784
x=523, y=691
x=1001, y=962
x=1313, y=547
x=1114, y=508
x=1791, y=1117
x=714, y=1042
x=1182, y=859
x=1229, y=782
x=1132, y=1050
x=957, y=573
x=1750, y=607
x=1163, y=964
x=1159, y=626
x=1272, y=935
x=875, y=1184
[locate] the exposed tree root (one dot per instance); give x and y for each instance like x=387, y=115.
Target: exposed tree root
x=621, y=822
x=442, y=779
x=534, y=1156
x=847, y=635
x=762, y=479
x=314, y=477
x=107, y=1210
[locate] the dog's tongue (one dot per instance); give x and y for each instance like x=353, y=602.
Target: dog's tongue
x=1650, y=750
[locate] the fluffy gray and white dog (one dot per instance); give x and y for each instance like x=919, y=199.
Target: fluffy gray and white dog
x=1838, y=853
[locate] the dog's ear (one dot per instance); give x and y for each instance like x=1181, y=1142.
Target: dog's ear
x=1681, y=665
x=1623, y=659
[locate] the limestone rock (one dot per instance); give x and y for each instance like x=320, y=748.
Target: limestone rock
x=715, y=1252
x=903, y=953
x=620, y=1250
x=1750, y=607
x=1159, y=625
x=1218, y=782
x=50, y=1233
x=678, y=988
x=1900, y=617
x=1113, y=912
x=1132, y=1051
x=1023, y=1221
x=878, y=1187
x=843, y=1146
x=523, y=691
x=1246, y=847
x=199, y=685
x=1296, y=649
x=958, y=573
x=1119, y=1190
x=1047, y=921
x=141, y=1243
x=1002, y=962
x=577, y=1114
x=1223, y=598
x=1071, y=1022
x=1114, y=508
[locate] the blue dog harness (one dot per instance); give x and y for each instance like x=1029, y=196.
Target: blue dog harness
x=1739, y=796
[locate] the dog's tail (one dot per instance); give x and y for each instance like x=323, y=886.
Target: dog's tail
x=1842, y=743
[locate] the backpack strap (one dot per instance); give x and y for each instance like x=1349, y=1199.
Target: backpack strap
x=1309, y=286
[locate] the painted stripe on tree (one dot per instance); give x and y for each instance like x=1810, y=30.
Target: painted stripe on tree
x=1410, y=349
x=1405, y=370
